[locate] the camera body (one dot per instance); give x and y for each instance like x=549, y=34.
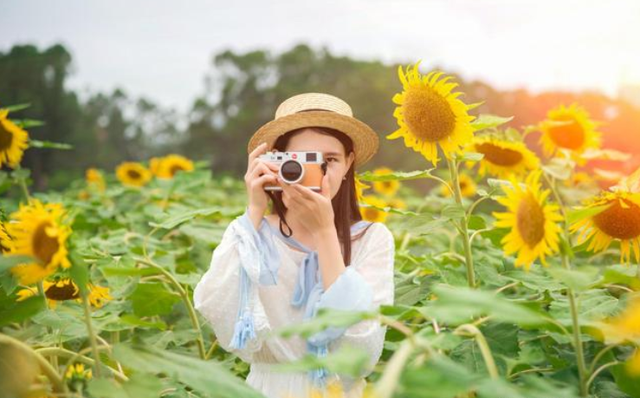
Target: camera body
x=305, y=167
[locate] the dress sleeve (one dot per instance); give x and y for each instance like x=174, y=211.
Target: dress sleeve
x=242, y=260
x=365, y=285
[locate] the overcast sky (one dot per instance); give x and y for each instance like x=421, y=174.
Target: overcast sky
x=161, y=49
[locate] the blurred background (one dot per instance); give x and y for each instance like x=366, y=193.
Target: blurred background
x=128, y=80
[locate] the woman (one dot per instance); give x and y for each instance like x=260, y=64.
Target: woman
x=264, y=276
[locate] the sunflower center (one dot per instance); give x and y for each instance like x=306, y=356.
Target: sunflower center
x=44, y=246
x=371, y=213
x=174, y=169
x=619, y=222
x=530, y=221
x=60, y=293
x=570, y=135
x=500, y=156
x=134, y=174
x=6, y=138
x=428, y=115
x=463, y=185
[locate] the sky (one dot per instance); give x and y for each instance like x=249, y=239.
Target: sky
x=162, y=49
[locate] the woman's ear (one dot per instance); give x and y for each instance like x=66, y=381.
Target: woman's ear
x=350, y=159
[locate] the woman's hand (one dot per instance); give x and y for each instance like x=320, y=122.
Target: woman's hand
x=313, y=210
x=258, y=173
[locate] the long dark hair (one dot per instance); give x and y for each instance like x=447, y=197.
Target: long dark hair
x=345, y=204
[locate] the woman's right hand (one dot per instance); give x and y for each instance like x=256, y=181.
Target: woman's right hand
x=258, y=173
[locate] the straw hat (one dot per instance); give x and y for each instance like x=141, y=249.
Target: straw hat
x=323, y=110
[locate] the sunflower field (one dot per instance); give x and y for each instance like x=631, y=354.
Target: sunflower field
x=517, y=275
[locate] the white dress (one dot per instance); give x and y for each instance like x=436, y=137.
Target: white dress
x=272, y=265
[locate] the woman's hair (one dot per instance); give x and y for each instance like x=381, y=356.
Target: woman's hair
x=345, y=204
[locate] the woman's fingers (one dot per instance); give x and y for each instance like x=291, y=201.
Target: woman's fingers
x=260, y=181
x=259, y=150
x=256, y=162
x=261, y=169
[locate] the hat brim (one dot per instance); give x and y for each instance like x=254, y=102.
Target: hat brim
x=365, y=140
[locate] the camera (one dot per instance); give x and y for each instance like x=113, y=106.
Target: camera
x=306, y=168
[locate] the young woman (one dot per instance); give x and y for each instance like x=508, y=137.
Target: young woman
x=315, y=251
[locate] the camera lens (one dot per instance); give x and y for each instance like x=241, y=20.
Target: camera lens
x=291, y=171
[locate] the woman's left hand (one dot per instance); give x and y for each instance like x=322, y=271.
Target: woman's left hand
x=313, y=210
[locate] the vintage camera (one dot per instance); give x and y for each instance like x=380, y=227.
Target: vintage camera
x=306, y=168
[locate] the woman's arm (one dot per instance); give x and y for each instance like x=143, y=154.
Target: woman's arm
x=330, y=258
x=365, y=285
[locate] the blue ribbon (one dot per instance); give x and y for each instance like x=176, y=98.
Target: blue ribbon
x=309, y=287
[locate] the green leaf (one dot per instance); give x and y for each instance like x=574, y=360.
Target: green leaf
x=389, y=209
x=579, y=279
x=453, y=212
x=8, y=262
x=422, y=224
x=326, y=317
x=150, y=299
x=49, y=144
x=176, y=219
x=559, y=168
x=131, y=319
x=576, y=215
x=16, y=108
x=485, y=121
x=459, y=305
x=439, y=377
x=17, y=311
x=207, y=377
x=396, y=175
x=627, y=383
x=469, y=156
x=139, y=385
x=27, y=123
x=476, y=222
x=348, y=360
x=79, y=272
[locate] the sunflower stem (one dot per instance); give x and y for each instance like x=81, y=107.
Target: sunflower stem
x=566, y=263
x=91, y=332
x=185, y=298
x=23, y=186
x=472, y=331
x=577, y=340
x=464, y=231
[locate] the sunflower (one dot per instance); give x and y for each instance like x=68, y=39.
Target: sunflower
x=569, y=128
x=620, y=220
x=170, y=165
x=154, y=165
x=94, y=178
x=38, y=230
x=5, y=240
x=533, y=222
x=503, y=158
x=430, y=114
x=133, y=174
x=65, y=289
x=360, y=186
x=371, y=213
x=77, y=371
x=397, y=204
x=467, y=187
x=13, y=141
x=387, y=188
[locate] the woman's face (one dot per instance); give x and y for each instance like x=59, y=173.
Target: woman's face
x=332, y=151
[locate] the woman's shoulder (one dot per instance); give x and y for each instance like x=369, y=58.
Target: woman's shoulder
x=375, y=231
